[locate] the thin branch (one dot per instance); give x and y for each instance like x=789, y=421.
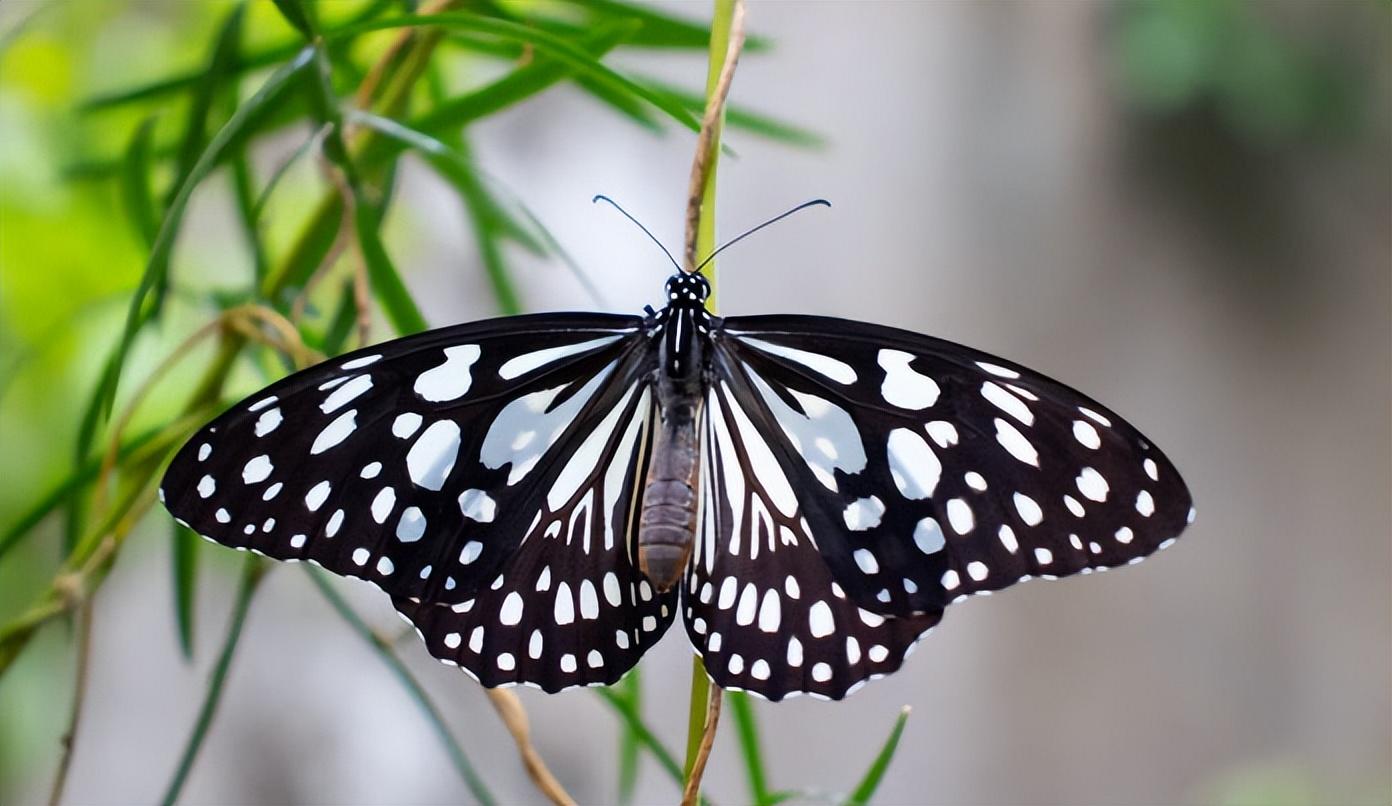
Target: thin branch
x=691, y=792
x=708, y=142
x=83, y=666
x=510, y=709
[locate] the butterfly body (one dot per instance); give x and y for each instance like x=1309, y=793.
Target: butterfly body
x=542, y=495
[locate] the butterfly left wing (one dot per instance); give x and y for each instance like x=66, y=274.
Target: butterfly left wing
x=418, y=464
x=570, y=607
x=924, y=471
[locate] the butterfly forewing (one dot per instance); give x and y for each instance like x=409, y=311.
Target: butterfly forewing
x=417, y=464
x=761, y=604
x=569, y=607
x=926, y=470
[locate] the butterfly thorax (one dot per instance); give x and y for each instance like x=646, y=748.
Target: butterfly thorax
x=667, y=527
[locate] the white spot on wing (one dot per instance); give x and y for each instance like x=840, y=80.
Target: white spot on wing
x=903, y=387
x=912, y=464
x=1006, y=402
x=478, y=506
x=527, y=362
x=928, y=536
x=432, y=457
x=838, y=371
x=269, y=420
x=335, y=432
x=863, y=513
x=450, y=380
x=257, y=470
x=1013, y=441
x=346, y=393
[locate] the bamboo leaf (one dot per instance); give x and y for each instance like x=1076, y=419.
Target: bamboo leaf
x=253, y=569
x=157, y=267
x=748, y=726
x=185, y=567
x=135, y=184
x=634, y=722
x=403, y=675
x=742, y=118
x=65, y=489
x=298, y=16
x=630, y=688
x=220, y=66
x=871, y=781
x=387, y=285
x=255, y=60
x=563, y=51
x=663, y=30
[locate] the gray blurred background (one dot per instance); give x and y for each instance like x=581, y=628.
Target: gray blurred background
x=1009, y=175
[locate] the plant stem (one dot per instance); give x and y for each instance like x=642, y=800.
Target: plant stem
x=727, y=38
x=83, y=665
x=253, y=569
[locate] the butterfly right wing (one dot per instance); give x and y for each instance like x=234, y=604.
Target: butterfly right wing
x=417, y=464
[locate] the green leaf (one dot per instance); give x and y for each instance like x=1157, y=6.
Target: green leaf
x=742, y=118
x=341, y=326
x=135, y=184
x=521, y=83
x=403, y=675
x=84, y=475
x=253, y=569
x=157, y=267
x=563, y=51
x=185, y=555
x=215, y=77
x=748, y=727
x=663, y=30
x=298, y=16
x=387, y=285
x=263, y=57
x=871, y=781
x=630, y=689
x=633, y=721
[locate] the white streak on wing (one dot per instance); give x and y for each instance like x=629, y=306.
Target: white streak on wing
x=730, y=472
x=450, y=380
x=1013, y=441
x=343, y=395
x=527, y=362
x=838, y=371
x=432, y=456
x=903, y=386
x=1007, y=402
x=912, y=464
x=618, y=467
x=762, y=463
x=530, y=413
x=585, y=459
x=825, y=436
x=360, y=362
x=335, y=432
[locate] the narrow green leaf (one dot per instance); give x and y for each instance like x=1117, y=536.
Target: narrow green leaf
x=245, y=193
x=298, y=16
x=748, y=726
x=742, y=118
x=341, y=326
x=630, y=688
x=868, y=784
x=84, y=475
x=279, y=173
x=387, y=285
x=521, y=83
x=157, y=267
x=569, y=54
x=663, y=30
x=263, y=57
x=623, y=104
x=221, y=63
x=403, y=675
x=634, y=722
x=135, y=184
x=253, y=569
x=185, y=556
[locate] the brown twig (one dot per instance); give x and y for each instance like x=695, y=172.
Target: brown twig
x=510, y=709
x=708, y=141
x=691, y=793
x=69, y=740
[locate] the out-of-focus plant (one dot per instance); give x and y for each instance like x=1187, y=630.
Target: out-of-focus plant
x=122, y=335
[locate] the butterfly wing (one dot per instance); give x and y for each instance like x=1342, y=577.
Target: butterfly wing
x=761, y=604
x=418, y=464
x=924, y=471
x=570, y=607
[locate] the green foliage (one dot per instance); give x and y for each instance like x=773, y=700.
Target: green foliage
x=361, y=83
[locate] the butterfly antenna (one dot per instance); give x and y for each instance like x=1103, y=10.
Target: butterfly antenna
x=640, y=226
x=775, y=219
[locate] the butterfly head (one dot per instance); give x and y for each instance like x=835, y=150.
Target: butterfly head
x=687, y=290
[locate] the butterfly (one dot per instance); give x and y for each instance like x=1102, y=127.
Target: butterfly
x=541, y=495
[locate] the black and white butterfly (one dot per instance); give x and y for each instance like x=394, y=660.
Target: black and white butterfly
x=542, y=494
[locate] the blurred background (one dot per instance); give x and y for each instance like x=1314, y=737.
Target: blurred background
x=1183, y=209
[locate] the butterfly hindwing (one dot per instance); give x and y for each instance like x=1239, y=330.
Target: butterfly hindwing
x=417, y=464
x=570, y=606
x=760, y=602
x=926, y=470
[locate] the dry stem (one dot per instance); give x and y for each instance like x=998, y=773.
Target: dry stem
x=510, y=709
x=709, y=140
x=691, y=793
